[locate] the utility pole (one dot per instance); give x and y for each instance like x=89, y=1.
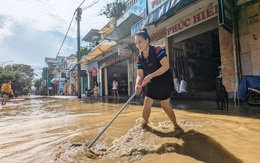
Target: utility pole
x=78, y=18
x=47, y=89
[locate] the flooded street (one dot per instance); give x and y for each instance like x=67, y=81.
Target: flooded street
x=60, y=129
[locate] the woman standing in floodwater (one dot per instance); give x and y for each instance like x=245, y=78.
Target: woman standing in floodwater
x=6, y=91
x=153, y=69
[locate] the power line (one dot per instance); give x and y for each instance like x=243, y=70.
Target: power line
x=66, y=33
x=81, y=4
x=69, y=28
x=90, y=5
x=73, y=29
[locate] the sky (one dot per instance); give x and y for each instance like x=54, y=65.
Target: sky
x=31, y=30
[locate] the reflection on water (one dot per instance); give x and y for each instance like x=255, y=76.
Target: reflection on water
x=60, y=129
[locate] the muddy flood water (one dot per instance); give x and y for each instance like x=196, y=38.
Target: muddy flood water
x=58, y=130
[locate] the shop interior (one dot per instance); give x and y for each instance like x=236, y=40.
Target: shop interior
x=196, y=60
x=118, y=72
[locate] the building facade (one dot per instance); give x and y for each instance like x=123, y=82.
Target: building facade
x=59, y=79
x=206, y=40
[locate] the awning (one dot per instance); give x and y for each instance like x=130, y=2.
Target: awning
x=108, y=27
x=101, y=48
x=72, y=67
x=56, y=70
x=123, y=30
x=162, y=13
x=55, y=80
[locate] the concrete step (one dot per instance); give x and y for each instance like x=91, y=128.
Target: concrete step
x=202, y=95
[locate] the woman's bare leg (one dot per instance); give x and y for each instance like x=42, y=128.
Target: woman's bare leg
x=117, y=94
x=166, y=105
x=5, y=99
x=114, y=93
x=148, y=102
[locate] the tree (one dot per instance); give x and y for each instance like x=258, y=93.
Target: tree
x=37, y=84
x=21, y=76
x=4, y=76
x=83, y=51
x=114, y=9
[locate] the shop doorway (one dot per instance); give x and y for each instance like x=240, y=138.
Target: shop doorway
x=196, y=60
x=118, y=72
x=92, y=81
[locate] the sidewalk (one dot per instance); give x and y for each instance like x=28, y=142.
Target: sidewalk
x=207, y=106
x=178, y=102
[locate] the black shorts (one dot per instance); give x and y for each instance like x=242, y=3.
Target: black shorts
x=160, y=87
x=5, y=93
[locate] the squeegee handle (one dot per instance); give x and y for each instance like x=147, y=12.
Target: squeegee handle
x=90, y=145
x=109, y=123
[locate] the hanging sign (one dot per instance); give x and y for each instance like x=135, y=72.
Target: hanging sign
x=225, y=14
x=125, y=52
x=83, y=73
x=113, y=61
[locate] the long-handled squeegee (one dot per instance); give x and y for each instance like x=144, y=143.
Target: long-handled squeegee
x=90, y=145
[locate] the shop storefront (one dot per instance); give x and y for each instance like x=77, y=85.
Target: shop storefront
x=92, y=75
x=194, y=49
x=117, y=67
x=192, y=44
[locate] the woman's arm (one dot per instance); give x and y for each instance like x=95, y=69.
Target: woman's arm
x=165, y=66
x=139, y=80
x=139, y=77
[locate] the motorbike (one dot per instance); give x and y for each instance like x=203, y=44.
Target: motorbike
x=249, y=90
